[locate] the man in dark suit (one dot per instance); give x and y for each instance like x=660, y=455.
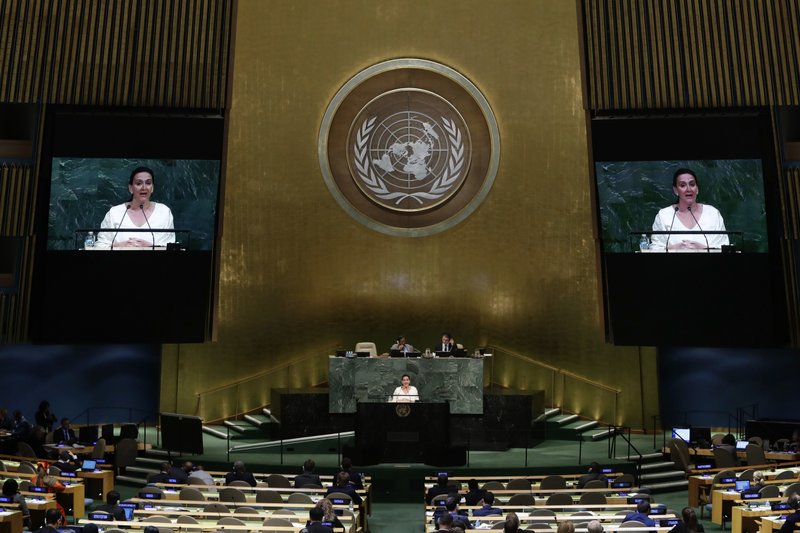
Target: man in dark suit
x=793, y=519
x=342, y=484
x=163, y=476
x=65, y=462
x=595, y=473
x=441, y=487
x=315, y=525
x=487, y=510
x=355, y=477
x=112, y=506
x=64, y=434
x=240, y=473
x=308, y=477
x=447, y=344
x=641, y=514
x=52, y=520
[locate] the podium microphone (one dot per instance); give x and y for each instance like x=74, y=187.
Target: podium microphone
x=708, y=248
x=127, y=206
x=666, y=247
x=153, y=235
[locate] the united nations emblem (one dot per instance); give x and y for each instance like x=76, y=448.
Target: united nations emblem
x=410, y=151
x=402, y=410
x=409, y=147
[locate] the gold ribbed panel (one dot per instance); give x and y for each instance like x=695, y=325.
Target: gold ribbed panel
x=642, y=54
x=169, y=53
x=16, y=220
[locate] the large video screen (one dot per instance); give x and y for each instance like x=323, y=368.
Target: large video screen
x=632, y=193
x=724, y=285
x=156, y=283
x=83, y=192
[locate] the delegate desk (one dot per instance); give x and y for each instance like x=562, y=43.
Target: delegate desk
x=10, y=521
x=781, y=457
x=455, y=380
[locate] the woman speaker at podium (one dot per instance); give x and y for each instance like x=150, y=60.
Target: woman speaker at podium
x=138, y=213
x=688, y=215
x=406, y=392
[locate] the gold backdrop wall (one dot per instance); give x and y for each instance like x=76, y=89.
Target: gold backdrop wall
x=299, y=277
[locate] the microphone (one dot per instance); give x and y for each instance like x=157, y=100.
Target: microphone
x=666, y=247
x=689, y=208
x=153, y=235
x=127, y=206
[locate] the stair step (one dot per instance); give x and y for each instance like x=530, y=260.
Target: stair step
x=602, y=434
x=141, y=470
x=670, y=474
x=154, y=462
x=217, y=431
x=586, y=426
x=564, y=419
x=668, y=486
x=645, y=457
x=243, y=429
x=553, y=411
x=130, y=479
x=660, y=465
x=161, y=454
x=260, y=421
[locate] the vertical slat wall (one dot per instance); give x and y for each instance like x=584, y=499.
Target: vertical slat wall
x=697, y=54
x=644, y=54
x=134, y=53
x=145, y=53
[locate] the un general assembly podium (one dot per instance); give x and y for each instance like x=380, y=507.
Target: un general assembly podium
x=405, y=433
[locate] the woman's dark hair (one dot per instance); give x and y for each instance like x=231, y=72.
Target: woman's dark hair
x=342, y=479
x=405, y=376
x=10, y=487
x=683, y=171
x=689, y=518
x=512, y=523
x=472, y=484
x=141, y=169
x=729, y=439
x=595, y=468
x=44, y=405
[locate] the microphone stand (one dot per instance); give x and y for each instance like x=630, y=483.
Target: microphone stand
x=153, y=235
x=671, y=224
x=127, y=206
x=708, y=247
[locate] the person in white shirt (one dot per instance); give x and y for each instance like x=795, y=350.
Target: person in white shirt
x=406, y=392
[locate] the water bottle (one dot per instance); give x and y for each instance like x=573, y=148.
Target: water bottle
x=89, y=242
x=644, y=243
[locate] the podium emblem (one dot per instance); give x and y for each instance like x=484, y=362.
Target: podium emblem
x=409, y=147
x=402, y=410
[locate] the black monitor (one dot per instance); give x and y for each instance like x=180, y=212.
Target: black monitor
x=88, y=434
x=700, y=435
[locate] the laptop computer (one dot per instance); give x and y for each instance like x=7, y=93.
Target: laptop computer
x=741, y=445
x=88, y=465
x=742, y=484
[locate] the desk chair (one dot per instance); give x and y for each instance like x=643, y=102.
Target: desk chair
x=99, y=450
x=300, y=498
x=770, y=491
x=596, y=484
x=245, y=510
x=553, y=482
x=724, y=459
x=191, y=494
x=705, y=492
x=560, y=498
x=632, y=523
x=278, y=481
x=230, y=521
x=3, y=467
x=755, y=455
x=239, y=483
x=519, y=484
x=268, y=496
x=367, y=347
x=522, y=499
x=791, y=489
x=493, y=485
x=216, y=508
x=232, y=495
x=24, y=450
x=592, y=498
x=786, y=474
x=125, y=454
